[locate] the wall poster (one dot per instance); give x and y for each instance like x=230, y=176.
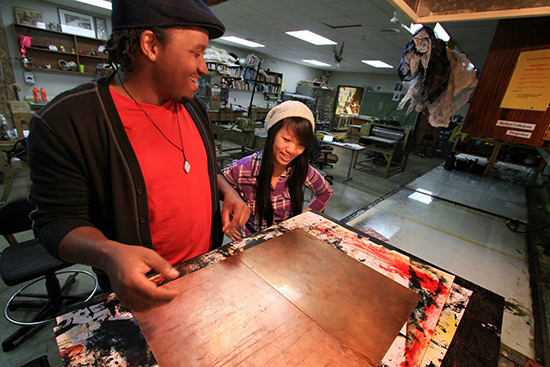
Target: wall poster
x=529, y=88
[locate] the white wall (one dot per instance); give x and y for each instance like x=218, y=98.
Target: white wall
x=386, y=82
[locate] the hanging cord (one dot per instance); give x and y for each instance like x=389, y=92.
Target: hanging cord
x=515, y=223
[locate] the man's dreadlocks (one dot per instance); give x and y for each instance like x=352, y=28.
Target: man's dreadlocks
x=122, y=44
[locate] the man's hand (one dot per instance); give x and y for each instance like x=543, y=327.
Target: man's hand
x=127, y=270
x=235, y=212
x=125, y=265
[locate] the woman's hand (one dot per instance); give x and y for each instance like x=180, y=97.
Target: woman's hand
x=234, y=233
x=235, y=212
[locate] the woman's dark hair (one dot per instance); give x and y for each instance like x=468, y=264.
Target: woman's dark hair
x=122, y=44
x=298, y=174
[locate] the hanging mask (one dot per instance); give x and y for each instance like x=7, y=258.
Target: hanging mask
x=29, y=77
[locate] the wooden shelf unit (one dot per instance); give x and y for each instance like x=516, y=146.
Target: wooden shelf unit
x=223, y=116
x=42, y=56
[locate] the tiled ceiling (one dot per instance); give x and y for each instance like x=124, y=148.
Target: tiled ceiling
x=362, y=24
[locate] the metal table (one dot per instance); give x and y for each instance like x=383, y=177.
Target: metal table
x=354, y=149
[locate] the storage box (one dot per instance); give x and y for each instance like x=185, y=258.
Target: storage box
x=306, y=83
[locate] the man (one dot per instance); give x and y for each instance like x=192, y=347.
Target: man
x=123, y=169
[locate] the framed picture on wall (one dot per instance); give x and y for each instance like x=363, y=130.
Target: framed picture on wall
x=29, y=17
x=76, y=23
x=101, y=28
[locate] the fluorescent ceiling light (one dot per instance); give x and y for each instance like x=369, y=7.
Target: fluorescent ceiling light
x=441, y=33
x=311, y=38
x=377, y=64
x=413, y=28
x=99, y=3
x=315, y=62
x=438, y=30
x=241, y=41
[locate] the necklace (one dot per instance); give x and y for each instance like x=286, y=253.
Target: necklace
x=186, y=165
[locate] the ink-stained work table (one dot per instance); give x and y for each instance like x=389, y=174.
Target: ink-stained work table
x=455, y=322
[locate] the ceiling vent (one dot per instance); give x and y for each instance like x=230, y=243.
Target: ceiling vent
x=342, y=26
x=387, y=31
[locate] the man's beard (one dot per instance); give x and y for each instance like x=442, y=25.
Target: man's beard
x=185, y=99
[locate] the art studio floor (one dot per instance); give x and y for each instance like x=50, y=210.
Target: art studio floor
x=453, y=219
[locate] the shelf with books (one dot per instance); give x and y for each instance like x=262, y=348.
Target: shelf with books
x=223, y=69
x=243, y=78
x=245, y=84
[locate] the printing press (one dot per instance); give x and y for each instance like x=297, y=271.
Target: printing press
x=387, y=148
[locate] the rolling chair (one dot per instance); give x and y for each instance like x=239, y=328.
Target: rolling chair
x=427, y=142
x=28, y=261
x=327, y=158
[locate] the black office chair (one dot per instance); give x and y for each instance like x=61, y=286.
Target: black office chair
x=29, y=261
x=427, y=142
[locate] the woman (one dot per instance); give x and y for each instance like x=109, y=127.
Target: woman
x=271, y=181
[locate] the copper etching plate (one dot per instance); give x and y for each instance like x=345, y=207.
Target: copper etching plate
x=302, y=304
x=362, y=308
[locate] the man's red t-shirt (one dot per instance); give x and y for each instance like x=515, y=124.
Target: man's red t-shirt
x=180, y=203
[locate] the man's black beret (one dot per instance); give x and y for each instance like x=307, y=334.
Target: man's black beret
x=165, y=13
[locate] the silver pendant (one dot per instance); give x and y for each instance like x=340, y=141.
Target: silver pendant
x=187, y=167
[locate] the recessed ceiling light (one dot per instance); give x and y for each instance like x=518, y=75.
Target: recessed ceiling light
x=377, y=64
x=311, y=38
x=241, y=41
x=315, y=62
x=99, y=3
